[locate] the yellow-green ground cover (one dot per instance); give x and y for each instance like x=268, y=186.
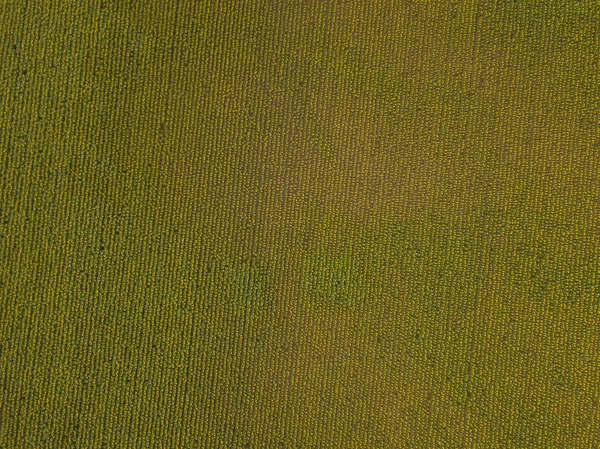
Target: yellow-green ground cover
x=299, y=224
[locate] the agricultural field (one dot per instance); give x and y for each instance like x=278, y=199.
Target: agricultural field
x=300, y=224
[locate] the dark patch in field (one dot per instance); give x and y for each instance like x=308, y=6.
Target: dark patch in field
x=238, y=282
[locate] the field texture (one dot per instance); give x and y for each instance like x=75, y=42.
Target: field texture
x=300, y=224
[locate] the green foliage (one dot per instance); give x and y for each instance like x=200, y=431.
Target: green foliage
x=441, y=264
x=339, y=278
x=238, y=282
